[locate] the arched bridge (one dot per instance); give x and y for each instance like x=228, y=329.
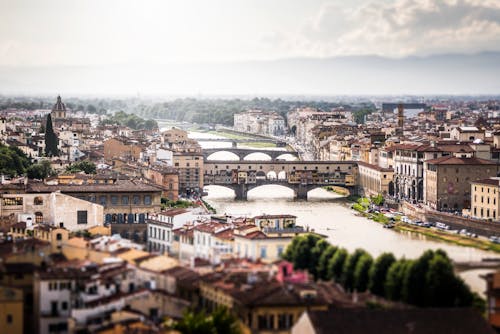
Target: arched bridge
x=244, y=152
x=300, y=176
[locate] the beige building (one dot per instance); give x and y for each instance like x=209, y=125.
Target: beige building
x=447, y=181
x=54, y=208
x=374, y=180
x=485, y=199
x=122, y=147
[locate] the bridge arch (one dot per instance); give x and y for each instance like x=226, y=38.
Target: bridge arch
x=259, y=156
x=224, y=191
x=223, y=155
x=290, y=191
x=286, y=156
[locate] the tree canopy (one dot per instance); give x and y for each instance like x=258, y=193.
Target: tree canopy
x=13, y=161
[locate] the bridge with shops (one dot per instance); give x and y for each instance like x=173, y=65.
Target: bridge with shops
x=242, y=153
x=300, y=176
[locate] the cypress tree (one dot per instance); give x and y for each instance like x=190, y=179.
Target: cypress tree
x=50, y=139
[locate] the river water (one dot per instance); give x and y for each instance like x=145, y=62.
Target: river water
x=330, y=215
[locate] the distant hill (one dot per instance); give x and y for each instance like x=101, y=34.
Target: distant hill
x=438, y=74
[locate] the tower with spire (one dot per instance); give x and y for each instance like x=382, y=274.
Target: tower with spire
x=58, y=110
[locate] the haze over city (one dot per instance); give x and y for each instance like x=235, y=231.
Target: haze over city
x=250, y=47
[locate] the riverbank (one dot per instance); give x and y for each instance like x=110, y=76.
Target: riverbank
x=360, y=205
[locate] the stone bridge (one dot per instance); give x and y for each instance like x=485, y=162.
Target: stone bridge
x=300, y=176
x=244, y=152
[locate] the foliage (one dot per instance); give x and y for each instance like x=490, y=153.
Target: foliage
x=359, y=115
x=362, y=272
x=318, y=249
x=221, y=321
x=51, y=139
x=40, y=170
x=322, y=269
x=299, y=252
x=13, y=161
x=88, y=167
x=350, y=267
x=358, y=207
x=166, y=203
x=378, y=273
x=414, y=282
x=377, y=200
x=131, y=120
x=336, y=264
x=394, y=279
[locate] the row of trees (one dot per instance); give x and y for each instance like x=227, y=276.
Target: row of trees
x=428, y=281
x=131, y=120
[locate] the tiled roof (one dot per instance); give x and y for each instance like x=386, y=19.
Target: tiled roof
x=451, y=160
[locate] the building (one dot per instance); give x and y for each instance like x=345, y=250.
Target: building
x=122, y=147
x=448, y=179
x=485, y=199
x=58, y=110
x=466, y=133
x=415, y=321
x=374, y=180
x=260, y=122
x=53, y=208
x=126, y=202
x=165, y=177
x=11, y=310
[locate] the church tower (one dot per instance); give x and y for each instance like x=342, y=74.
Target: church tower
x=58, y=110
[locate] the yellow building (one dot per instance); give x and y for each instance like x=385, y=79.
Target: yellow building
x=375, y=180
x=485, y=199
x=11, y=310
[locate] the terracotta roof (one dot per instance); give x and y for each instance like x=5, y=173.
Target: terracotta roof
x=118, y=186
x=451, y=160
x=415, y=321
x=375, y=167
x=491, y=182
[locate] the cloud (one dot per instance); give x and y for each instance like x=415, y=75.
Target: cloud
x=401, y=28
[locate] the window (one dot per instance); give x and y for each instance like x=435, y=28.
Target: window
x=280, y=250
x=114, y=200
x=64, y=305
x=38, y=200
x=9, y=318
x=136, y=200
x=81, y=216
x=38, y=217
x=103, y=200
x=263, y=252
x=13, y=201
x=124, y=200
x=59, y=236
x=147, y=200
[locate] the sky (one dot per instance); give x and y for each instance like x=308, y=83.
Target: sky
x=113, y=33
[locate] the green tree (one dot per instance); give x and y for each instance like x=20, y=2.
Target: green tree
x=414, y=289
x=362, y=272
x=224, y=322
x=336, y=264
x=326, y=256
x=318, y=249
x=395, y=278
x=299, y=251
x=40, y=170
x=51, y=139
x=13, y=161
x=86, y=166
x=349, y=267
x=377, y=200
x=378, y=273
x=444, y=288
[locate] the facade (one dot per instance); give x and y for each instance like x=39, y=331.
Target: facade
x=251, y=243
x=190, y=168
x=485, y=199
x=11, y=310
x=165, y=177
x=126, y=203
x=466, y=133
x=374, y=180
x=52, y=208
x=58, y=110
x=122, y=147
x=260, y=122
x=448, y=179
x=160, y=235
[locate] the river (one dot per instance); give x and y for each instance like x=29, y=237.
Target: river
x=330, y=215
